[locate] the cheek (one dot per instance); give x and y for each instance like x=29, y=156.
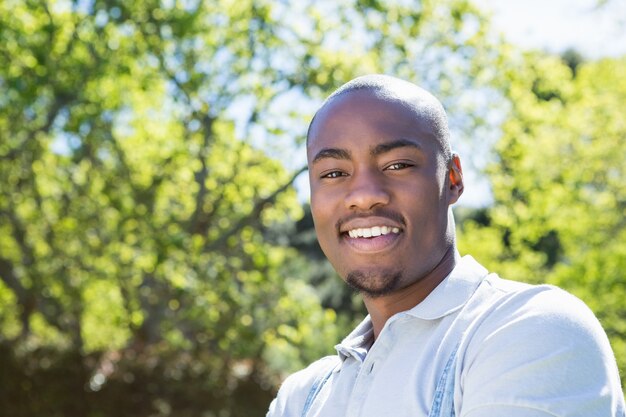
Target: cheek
x=321, y=207
x=425, y=206
x=323, y=221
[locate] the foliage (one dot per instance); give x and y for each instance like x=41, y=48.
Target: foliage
x=560, y=201
x=144, y=268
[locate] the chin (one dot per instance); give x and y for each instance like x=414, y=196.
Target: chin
x=374, y=283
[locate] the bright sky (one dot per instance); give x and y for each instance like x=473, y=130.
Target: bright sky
x=554, y=25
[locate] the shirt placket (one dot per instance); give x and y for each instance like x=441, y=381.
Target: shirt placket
x=368, y=371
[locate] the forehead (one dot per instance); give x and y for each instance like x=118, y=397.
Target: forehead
x=352, y=116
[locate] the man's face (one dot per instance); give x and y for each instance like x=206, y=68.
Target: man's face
x=379, y=194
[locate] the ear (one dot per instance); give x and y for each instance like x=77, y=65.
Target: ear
x=455, y=173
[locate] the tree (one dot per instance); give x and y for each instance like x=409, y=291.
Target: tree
x=558, y=215
x=143, y=210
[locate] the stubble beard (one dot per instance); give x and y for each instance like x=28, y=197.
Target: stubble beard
x=374, y=284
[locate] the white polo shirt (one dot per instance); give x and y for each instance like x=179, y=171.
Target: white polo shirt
x=518, y=350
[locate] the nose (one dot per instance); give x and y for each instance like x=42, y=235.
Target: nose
x=367, y=190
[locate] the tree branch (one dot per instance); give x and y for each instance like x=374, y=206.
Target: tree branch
x=258, y=208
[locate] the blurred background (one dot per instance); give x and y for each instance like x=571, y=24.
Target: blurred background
x=157, y=254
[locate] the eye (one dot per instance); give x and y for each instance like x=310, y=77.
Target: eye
x=397, y=166
x=333, y=174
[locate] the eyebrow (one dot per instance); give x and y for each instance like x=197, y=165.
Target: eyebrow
x=334, y=153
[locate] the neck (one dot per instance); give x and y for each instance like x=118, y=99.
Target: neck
x=382, y=308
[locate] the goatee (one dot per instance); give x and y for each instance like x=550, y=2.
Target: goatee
x=374, y=284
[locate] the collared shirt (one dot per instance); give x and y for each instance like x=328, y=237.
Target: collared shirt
x=518, y=350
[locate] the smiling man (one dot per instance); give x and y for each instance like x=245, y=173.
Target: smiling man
x=443, y=336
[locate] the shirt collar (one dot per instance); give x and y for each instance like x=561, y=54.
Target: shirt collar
x=358, y=342
x=449, y=296
x=453, y=292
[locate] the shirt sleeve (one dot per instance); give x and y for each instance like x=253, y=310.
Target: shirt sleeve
x=293, y=393
x=540, y=353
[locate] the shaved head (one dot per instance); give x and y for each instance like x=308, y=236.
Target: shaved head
x=423, y=104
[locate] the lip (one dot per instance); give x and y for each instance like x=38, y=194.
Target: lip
x=371, y=245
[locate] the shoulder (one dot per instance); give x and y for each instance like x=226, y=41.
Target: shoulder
x=295, y=389
x=541, y=347
x=540, y=309
x=539, y=320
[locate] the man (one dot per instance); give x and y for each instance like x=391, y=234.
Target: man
x=443, y=336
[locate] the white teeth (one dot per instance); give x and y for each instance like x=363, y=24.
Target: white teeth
x=372, y=231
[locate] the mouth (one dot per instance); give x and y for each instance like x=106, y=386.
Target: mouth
x=369, y=232
x=372, y=239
